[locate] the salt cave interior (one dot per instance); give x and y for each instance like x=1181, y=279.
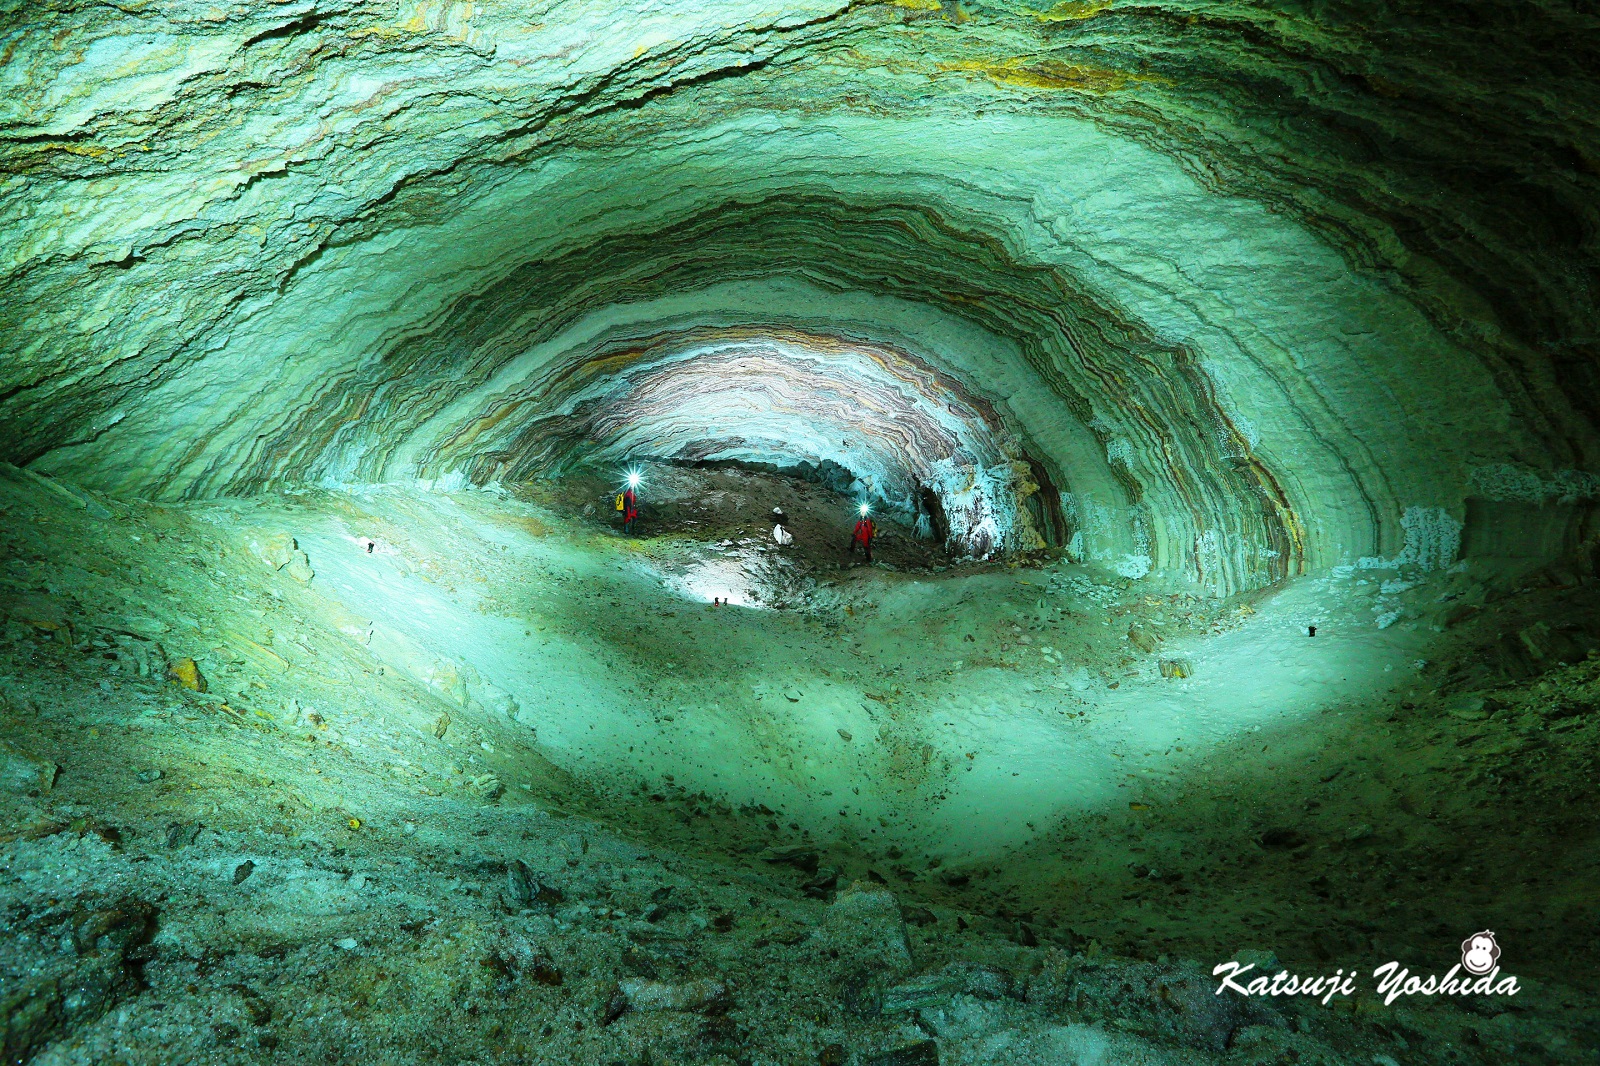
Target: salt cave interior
x=1222, y=380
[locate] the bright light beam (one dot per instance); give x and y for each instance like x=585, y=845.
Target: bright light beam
x=633, y=479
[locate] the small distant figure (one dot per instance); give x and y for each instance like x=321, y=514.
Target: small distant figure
x=780, y=528
x=1311, y=631
x=862, y=537
x=628, y=504
x=630, y=510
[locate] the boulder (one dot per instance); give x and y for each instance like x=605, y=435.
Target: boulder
x=444, y=677
x=69, y=992
x=520, y=883
x=705, y=996
x=34, y=609
x=1060, y=1045
x=939, y=988
x=497, y=700
x=917, y=1053
x=1176, y=1002
x=486, y=788
x=1468, y=708
x=517, y=957
x=864, y=926
x=185, y=673
x=799, y=856
x=22, y=771
x=276, y=550
x=299, y=568
x=525, y=889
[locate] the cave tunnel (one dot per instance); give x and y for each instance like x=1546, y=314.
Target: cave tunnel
x=1219, y=383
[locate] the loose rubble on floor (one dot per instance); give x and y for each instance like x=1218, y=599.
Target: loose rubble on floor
x=243, y=820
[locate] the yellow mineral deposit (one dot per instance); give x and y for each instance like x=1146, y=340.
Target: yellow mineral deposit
x=186, y=672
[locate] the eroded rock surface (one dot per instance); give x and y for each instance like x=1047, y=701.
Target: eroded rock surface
x=1216, y=297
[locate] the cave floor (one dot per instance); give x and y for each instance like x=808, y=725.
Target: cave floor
x=503, y=676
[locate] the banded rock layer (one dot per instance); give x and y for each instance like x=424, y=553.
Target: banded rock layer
x=1216, y=293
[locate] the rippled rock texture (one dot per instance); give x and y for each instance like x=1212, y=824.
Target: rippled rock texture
x=1215, y=293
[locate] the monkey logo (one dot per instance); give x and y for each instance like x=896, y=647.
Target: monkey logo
x=1479, y=953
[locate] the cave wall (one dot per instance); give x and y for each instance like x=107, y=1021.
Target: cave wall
x=1251, y=290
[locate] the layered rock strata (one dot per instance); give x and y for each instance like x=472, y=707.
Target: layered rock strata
x=1256, y=290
